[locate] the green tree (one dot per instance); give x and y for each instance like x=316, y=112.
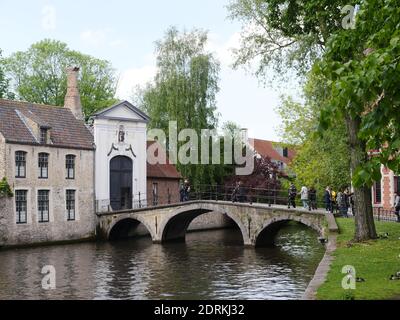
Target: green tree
x=4, y=82
x=320, y=160
x=361, y=67
x=184, y=90
x=38, y=76
x=286, y=35
x=292, y=35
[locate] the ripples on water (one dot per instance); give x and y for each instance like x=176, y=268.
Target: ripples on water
x=211, y=265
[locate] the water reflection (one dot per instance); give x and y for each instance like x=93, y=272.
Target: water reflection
x=210, y=265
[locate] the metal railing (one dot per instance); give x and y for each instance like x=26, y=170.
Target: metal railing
x=270, y=197
x=382, y=214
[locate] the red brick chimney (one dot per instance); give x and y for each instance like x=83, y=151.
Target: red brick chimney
x=72, y=98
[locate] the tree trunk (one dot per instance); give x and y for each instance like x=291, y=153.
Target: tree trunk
x=364, y=219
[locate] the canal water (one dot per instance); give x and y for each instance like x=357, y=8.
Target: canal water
x=210, y=265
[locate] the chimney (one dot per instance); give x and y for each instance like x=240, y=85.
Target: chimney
x=72, y=98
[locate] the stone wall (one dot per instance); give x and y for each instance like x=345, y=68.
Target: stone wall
x=207, y=221
x=2, y=157
x=58, y=228
x=211, y=220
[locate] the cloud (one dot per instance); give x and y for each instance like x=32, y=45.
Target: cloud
x=49, y=18
x=223, y=50
x=94, y=37
x=134, y=77
x=100, y=37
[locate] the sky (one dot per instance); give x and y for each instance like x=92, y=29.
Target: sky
x=124, y=32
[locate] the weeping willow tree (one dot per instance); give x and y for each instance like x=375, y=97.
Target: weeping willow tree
x=184, y=90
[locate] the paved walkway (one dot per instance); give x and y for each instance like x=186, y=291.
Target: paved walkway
x=322, y=270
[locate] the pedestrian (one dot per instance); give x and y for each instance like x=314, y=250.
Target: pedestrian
x=241, y=193
x=327, y=198
x=312, y=196
x=351, y=201
x=186, y=190
x=235, y=192
x=397, y=206
x=292, y=196
x=304, y=196
x=342, y=203
x=333, y=201
x=181, y=191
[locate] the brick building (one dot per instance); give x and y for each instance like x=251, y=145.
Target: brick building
x=162, y=181
x=383, y=192
x=278, y=154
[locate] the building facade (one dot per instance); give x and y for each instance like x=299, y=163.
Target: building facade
x=163, y=180
x=278, y=154
x=47, y=156
x=383, y=192
x=120, y=134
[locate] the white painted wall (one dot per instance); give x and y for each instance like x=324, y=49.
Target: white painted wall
x=105, y=135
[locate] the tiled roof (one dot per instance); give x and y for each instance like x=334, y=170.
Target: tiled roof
x=65, y=130
x=167, y=171
x=266, y=149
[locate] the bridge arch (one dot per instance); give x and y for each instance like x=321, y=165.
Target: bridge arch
x=175, y=228
x=266, y=235
x=124, y=227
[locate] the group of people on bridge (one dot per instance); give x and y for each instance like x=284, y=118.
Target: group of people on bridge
x=335, y=202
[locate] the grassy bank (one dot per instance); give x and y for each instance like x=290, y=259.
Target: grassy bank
x=374, y=261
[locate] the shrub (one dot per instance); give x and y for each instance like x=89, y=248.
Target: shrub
x=5, y=189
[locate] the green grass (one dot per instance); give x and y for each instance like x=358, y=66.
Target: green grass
x=374, y=261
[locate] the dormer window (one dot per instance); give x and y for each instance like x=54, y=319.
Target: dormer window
x=285, y=152
x=43, y=135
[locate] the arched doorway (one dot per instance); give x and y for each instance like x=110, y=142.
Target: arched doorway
x=121, y=183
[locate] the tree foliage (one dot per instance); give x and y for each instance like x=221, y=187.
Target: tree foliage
x=184, y=90
x=286, y=35
x=5, y=189
x=4, y=82
x=361, y=67
x=320, y=160
x=356, y=85
x=38, y=75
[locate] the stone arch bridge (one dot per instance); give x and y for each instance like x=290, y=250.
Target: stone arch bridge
x=258, y=223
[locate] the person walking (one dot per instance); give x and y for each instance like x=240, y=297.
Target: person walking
x=397, y=206
x=181, y=191
x=333, y=201
x=235, y=192
x=327, y=198
x=312, y=197
x=292, y=196
x=186, y=191
x=304, y=196
x=342, y=203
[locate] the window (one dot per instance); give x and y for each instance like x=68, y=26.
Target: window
x=20, y=164
x=70, y=165
x=43, y=205
x=285, y=152
x=43, y=136
x=377, y=192
x=43, y=165
x=155, y=194
x=396, y=184
x=21, y=205
x=71, y=205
